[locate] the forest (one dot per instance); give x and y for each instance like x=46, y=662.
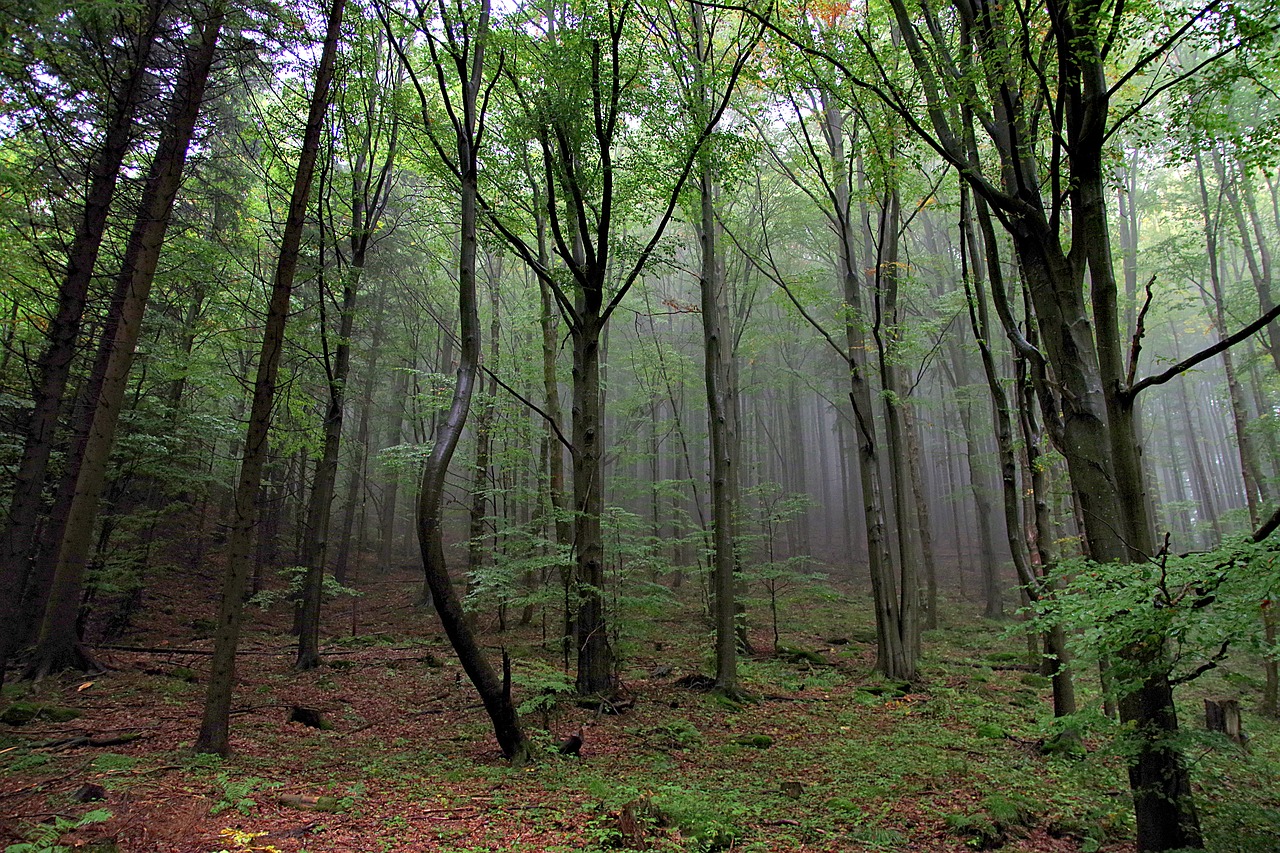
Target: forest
x=689, y=425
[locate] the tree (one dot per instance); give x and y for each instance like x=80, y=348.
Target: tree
x=832, y=159
x=458, y=45
x=697, y=48
x=374, y=135
x=579, y=118
x=57, y=646
x=122, y=102
x=213, y=737
x=1054, y=106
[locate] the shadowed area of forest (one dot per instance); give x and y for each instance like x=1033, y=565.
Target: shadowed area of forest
x=826, y=755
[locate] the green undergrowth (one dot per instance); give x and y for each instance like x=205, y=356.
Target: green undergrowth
x=825, y=754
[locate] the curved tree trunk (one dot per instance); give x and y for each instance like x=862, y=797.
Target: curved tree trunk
x=465, y=53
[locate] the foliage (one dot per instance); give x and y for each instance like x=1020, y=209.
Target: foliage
x=545, y=686
x=296, y=575
x=235, y=792
x=43, y=838
x=1200, y=605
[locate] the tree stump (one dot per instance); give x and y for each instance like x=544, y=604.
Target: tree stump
x=1223, y=715
x=309, y=717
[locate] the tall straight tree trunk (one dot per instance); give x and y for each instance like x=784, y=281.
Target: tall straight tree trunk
x=368, y=198
x=718, y=377
x=1217, y=309
x=54, y=365
x=887, y=340
x=722, y=424
x=57, y=646
x=213, y=736
x=558, y=507
x=1253, y=242
x=595, y=657
x=1056, y=661
x=391, y=489
x=893, y=657
x=920, y=495
x=359, y=477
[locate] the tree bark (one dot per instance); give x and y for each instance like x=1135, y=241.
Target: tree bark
x=57, y=646
x=54, y=365
x=213, y=736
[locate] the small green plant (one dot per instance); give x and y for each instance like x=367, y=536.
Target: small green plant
x=543, y=687
x=236, y=793
x=678, y=734
x=29, y=761
x=43, y=838
x=877, y=838
x=709, y=823
x=989, y=825
x=295, y=575
x=979, y=831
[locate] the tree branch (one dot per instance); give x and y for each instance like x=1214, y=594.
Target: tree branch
x=1204, y=354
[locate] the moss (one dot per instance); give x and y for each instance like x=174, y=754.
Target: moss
x=755, y=741
x=991, y=730
x=798, y=655
x=21, y=713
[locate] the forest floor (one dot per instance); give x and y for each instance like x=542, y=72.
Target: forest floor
x=829, y=757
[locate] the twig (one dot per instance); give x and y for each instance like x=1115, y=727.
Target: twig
x=1135, y=347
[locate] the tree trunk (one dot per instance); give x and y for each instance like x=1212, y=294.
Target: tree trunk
x=359, y=478
x=213, y=737
x=466, y=55
x=54, y=365
x=722, y=422
x=391, y=490
x=481, y=485
x=595, y=658
x=1056, y=659
x=57, y=644
x=920, y=495
x=892, y=656
x=367, y=201
x=887, y=342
